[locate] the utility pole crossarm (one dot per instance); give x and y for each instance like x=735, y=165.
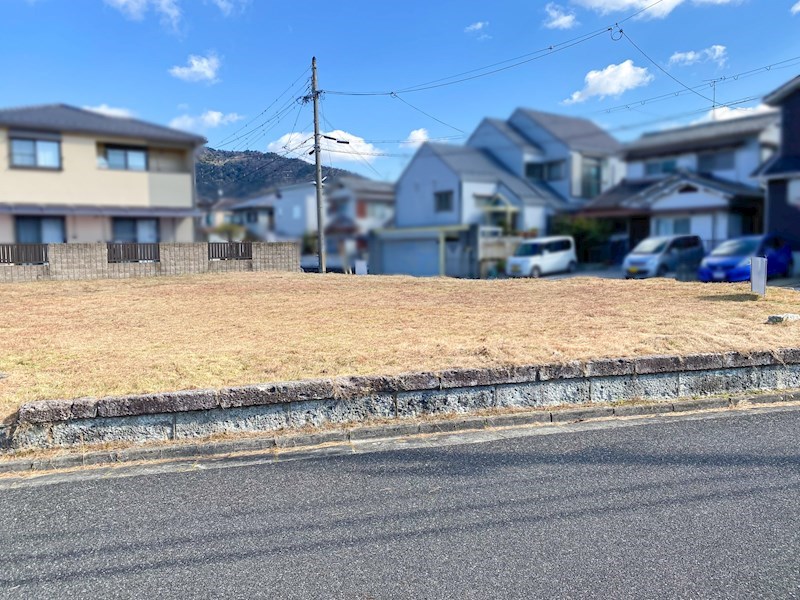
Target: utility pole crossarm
x=318, y=165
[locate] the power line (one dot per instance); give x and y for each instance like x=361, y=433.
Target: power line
x=254, y=119
x=783, y=64
x=663, y=70
x=632, y=126
x=490, y=70
x=359, y=155
x=430, y=116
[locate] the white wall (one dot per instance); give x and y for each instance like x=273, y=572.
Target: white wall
x=414, y=201
x=471, y=212
x=536, y=218
x=6, y=229
x=488, y=137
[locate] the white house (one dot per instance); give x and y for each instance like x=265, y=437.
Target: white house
x=513, y=175
x=694, y=180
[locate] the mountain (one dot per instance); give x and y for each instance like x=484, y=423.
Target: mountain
x=249, y=173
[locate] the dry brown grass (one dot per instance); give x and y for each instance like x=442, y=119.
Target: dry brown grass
x=71, y=339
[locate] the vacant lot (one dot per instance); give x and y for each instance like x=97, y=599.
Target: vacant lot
x=71, y=339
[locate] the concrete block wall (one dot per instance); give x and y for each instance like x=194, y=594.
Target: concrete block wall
x=290, y=405
x=76, y=261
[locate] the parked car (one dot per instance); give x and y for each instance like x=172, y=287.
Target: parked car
x=657, y=256
x=730, y=261
x=542, y=256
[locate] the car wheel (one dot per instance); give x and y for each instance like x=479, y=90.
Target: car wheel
x=662, y=271
x=573, y=266
x=536, y=272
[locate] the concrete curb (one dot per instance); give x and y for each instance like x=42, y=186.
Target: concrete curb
x=258, y=445
x=197, y=414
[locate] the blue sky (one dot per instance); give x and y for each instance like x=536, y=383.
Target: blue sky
x=213, y=66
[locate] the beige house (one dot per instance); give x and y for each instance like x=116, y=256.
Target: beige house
x=73, y=175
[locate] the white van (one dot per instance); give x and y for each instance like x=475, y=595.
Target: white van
x=541, y=256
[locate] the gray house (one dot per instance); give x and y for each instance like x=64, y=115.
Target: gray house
x=511, y=177
x=781, y=173
x=692, y=180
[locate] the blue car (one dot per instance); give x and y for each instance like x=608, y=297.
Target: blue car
x=730, y=261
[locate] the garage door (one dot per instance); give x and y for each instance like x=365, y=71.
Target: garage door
x=411, y=257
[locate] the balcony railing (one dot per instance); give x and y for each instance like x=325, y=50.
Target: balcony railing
x=230, y=251
x=23, y=254
x=128, y=252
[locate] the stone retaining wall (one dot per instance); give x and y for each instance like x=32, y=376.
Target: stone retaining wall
x=90, y=261
x=290, y=405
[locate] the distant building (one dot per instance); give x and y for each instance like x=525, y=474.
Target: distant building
x=512, y=176
x=285, y=212
x=73, y=175
x=355, y=207
x=692, y=180
x=781, y=173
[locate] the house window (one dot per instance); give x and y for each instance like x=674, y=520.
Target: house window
x=295, y=212
x=550, y=171
x=135, y=231
x=40, y=230
x=659, y=167
x=377, y=211
x=716, y=161
x=252, y=216
x=443, y=201
x=591, y=177
x=124, y=159
x=35, y=154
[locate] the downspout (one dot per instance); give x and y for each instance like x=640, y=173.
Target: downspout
x=441, y=254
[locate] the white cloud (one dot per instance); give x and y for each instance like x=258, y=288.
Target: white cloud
x=559, y=17
x=228, y=7
x=659, y=11
x=614, y=80
x=416, y=138
x=300, y=144
x=208, y=120
x=717, y=54
x=168, y=10
x=796, y=8
x=198, y=68
x=723, y=113
x=475, y=27
x=478, y=29
x=111, y=111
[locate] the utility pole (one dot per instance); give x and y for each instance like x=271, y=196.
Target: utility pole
x=318, y=163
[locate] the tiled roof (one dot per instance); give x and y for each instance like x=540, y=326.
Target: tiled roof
x=577, y=133
x=63, y=118
x=699, y=137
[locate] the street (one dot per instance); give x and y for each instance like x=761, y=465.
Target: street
x=682, y=508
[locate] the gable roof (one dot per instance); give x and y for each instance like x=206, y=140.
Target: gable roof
x=474, y=164
x=640, y=194
x=779, y=96
x=778, y=166
x=365, y=186
x=513, y=134
x=62, y=118
x=577, y=133
x=703, y=136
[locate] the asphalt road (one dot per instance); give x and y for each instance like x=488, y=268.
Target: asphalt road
x=677, y=509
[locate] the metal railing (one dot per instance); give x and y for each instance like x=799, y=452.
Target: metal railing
x=230, y=251
x=129, y=252
x=23, y=254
